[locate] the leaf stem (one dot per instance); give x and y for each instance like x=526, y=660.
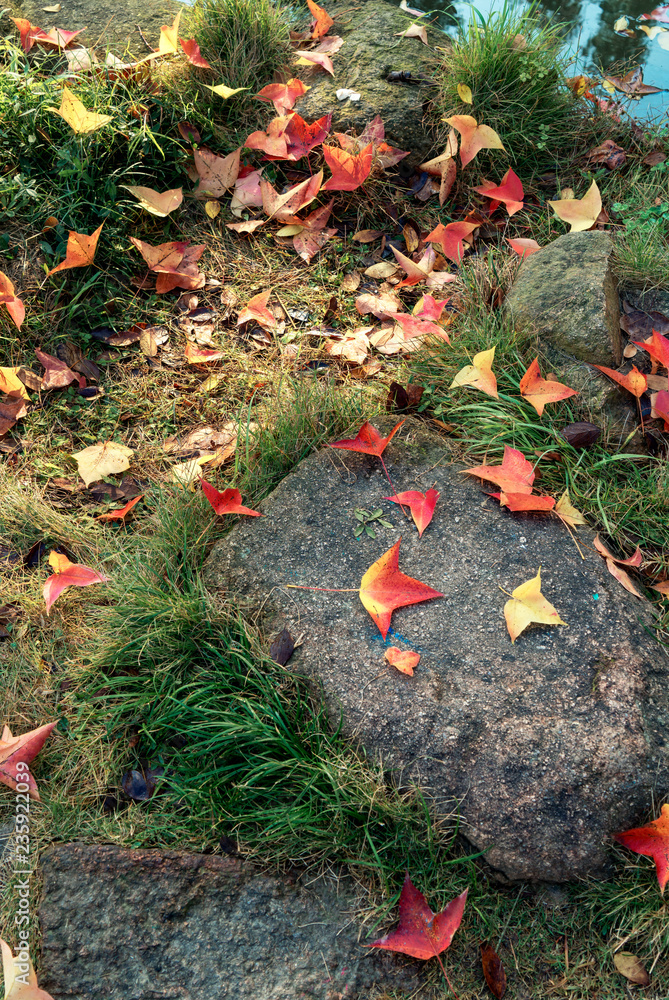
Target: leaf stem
x=450, y=985
x=331, y=590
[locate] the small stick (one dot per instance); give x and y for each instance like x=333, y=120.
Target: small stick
x=141, y=35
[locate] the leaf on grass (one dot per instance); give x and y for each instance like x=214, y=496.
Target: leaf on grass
x=193, y=54
x=473, y=137
x=315, y=59
x=653, y=841
x=80, y=250
x=100, y=460
x=348, y=171
x=614, y=564
x=165, y=255
x=524, y=247
x=12, y=408
x=227, y=502
x=121, y=513
x=10, y=382
x=420, y=504
x=479, y=374
x=283, y=95
x=660, y=406
x=528, y=605
x=169, y=34
x=509, y=192
x=272, y=141
x=493, y=970
x=452, y=238
x=67, y=574
x=23, y=988
x=539, y=391
x=21, y=749
x=514, y=475
x=420, y=932
x=657, y=347
x=414, y=31
x=465, y=93
x=159, y=203
x=245, y=227
x=631, y=967
x=384, y=588
x=383, y=306
x=11, y=301
x=567, y=512
x=367, y=441
x=29, y=33
x=225, y=92
x=635, y=382
x=579, y=213
x=524, y=501
x=403, y=660
x=57, y=38
x=217, y=173
x=77, y=117
x=56, y=374
x=284, y=206
x=430, y=308
x=256, y=310
x=422, y=271
x=300, y=137
x=414, y=326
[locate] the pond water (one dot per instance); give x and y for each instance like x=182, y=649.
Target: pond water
x=591, y=42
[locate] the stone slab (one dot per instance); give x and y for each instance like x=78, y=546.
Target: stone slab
x=551, y=744
x=152, y=925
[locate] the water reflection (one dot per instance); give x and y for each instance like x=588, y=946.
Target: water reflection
x=592, y=42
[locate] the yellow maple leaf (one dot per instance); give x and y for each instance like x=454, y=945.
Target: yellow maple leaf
x=169, y=37
x=465, y=93
x=580, y=213
x=77, y=116
x=222, y=91
x=104, y=459
x=479, y=374
x=567, y=512
x=529, y=605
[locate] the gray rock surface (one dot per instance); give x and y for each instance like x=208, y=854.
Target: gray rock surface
x=370, y=51
x=567, y=295
x=551, y=744
x=113, y=26
x=150, y=925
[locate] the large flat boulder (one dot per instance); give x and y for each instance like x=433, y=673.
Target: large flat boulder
x=371, y=50
x=152, y=925
x=551, y=744
x=566, y=294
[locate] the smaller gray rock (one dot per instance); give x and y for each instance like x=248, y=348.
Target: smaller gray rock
x=370, y=51
x=153, y=925
x=567, y=295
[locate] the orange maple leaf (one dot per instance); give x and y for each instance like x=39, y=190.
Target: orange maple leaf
x=21, y=750
x=121, y=513
x=635, y=382
x=524, y=501
x=283, y=95
x=384, y=588
x=403, y=660
x=322, y=21
x=514, y=475
x=657, y=347
x=538, y=391
x=11, y=301
x=29, y=32
x=67, y=574
x=452, y=238
x=348, y=172
x=256, y=309
x=421, y=506
x=80, y=250
x=301, y=137
x=193, y=54
x=473, y=137
x=422, y=271
x=227, y=502
x=284, y=206
x=509, y=192
x=653, y=841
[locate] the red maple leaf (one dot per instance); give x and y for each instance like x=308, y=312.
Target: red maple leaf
x=29, y=32
x=282, y=95
x=421, y=506
x=420, y=932
x=348, y=172
x=301, y=137
x=383, y=589
x=652, y=840
x=451, y=238
x=524, y=248
x=67, y=574
x=227, y=502
x=657, y=347
x=120, y=513
x=368, y=441
x=21, y=750
x=514, y=475
x=193, y=54
x=510, y=191
x=635, y=382
x=660, y=407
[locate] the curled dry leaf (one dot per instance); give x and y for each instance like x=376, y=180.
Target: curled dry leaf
x=657, y=347
x=11, y=383
x=322, y=21
x=282, y=647
x=67, y=574
x=493, y=970
x=121, y=513
x=527, y=606
x=414, y=31
x=404, y=660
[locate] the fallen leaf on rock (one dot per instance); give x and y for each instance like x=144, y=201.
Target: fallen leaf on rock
x=77, y=117
x=217, y=173
x=100, y=460
x=420, y=932
x=493, y=971
x=56, y=374
x=283, y=95
x=315, y=59
x=657, y=347
x=479, y=374
x=514, y=475
x=227, y=502
x=473, y=137
x=581, y=434
x=635, y=382
x=348, y=171
x=421, y=506
x=322, y=21
x=414, y=31
x=21, y=750
x=384, y=588
x=10, y=300
x=567, y=512
x=510, y=191
x=193, y=54
x=225, y=92
x=405, y=660
x=282, y=647
x=539, y=391
x=80, y=250
x=580, y=213
x=67, y=574
x=331, y=44
x=631, y=967
x=524, y=501
x=452, y=238
x=524, y=247
x=528, y=605
x=121, y=513
x=653, y=841
x=156, y=202
x=613, y=564
x=368, y=441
